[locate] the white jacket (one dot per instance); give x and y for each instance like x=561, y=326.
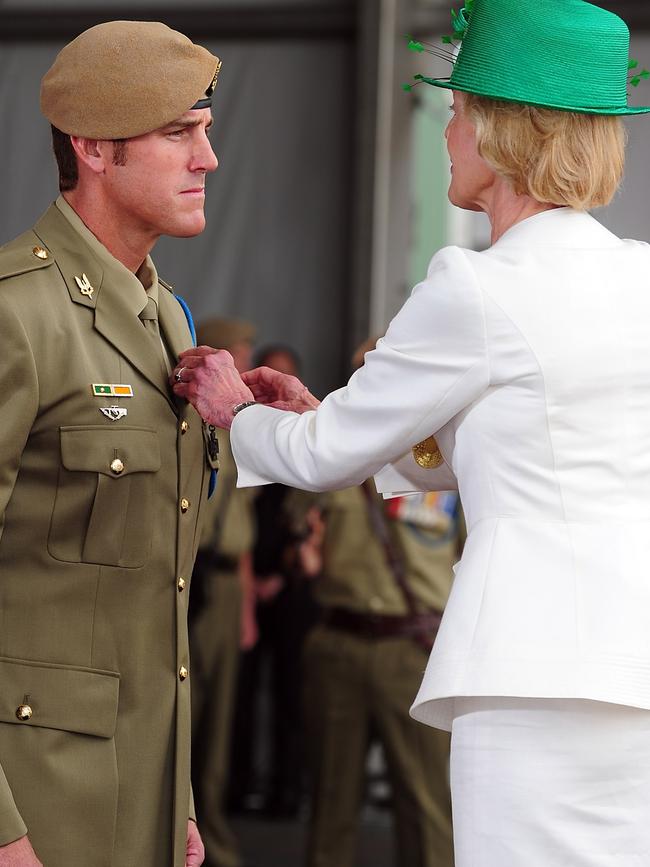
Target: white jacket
x=531, y=364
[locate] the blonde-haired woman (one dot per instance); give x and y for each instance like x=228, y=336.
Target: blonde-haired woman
x=529, y=362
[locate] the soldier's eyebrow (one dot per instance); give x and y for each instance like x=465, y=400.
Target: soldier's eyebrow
x=189, y=122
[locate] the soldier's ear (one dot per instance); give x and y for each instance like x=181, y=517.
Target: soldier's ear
x=92, y=152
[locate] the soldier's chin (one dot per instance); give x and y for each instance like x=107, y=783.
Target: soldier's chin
x=191, y=225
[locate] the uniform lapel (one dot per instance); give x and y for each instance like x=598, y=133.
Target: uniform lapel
x=173, y=323
x=174, y=328
x=116, y=310
x=117, y=320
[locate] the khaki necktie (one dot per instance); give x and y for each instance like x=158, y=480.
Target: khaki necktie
x=149, y=317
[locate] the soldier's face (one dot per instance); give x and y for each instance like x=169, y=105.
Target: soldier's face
x=160, y=188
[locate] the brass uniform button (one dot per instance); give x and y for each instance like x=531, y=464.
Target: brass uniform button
x=183, y=673
x=185, y=504
x=185, y=426
x=40, y=253
x=24, y=712
x=117, y=466
x=181, y=584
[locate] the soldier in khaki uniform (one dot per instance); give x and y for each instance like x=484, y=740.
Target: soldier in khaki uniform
x=385, y=575
x=363, y=664
x=103, y=473
x=222, y=619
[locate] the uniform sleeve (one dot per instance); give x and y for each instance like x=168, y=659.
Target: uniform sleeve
x=12, y=826
x=431, y=364
x=192, y=810
x=18, y=401
x=18, y=406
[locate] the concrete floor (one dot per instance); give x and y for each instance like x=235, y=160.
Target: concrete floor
x=266, y=843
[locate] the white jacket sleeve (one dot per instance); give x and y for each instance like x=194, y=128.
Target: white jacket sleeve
x=405, y=476
x=430, y=365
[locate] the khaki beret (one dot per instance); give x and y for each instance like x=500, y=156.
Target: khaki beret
x=224, y=333
x=122, y=79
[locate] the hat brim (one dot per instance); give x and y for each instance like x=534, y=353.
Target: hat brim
x=622, y=110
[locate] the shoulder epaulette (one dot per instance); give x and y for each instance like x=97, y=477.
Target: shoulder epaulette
x=22, y=255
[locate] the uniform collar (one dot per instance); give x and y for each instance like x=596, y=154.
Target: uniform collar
x=144, y=283
x=96, y=280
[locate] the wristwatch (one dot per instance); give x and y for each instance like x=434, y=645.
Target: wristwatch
x=238, y=407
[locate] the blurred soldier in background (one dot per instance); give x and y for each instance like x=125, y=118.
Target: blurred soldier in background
x=386, y=572
x=222, y=618
x=286, y=611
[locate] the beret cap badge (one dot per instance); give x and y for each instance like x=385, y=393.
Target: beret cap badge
x=213, y=83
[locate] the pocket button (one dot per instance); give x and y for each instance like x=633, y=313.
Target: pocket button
x=117, y=467
x=24, y=712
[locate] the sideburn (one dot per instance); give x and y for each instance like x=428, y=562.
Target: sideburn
x=119, y=151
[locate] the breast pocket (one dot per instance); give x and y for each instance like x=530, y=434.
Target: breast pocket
x=103, y=508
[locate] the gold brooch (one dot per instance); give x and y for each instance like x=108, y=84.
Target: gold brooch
x=427, y=454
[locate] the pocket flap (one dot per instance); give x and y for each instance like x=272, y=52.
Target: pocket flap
x=96, y=449
x=60, y=697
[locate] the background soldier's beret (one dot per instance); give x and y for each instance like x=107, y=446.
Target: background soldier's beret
x=223, y=333
x=125, y=78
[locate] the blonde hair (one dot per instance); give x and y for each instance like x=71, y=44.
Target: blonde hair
x=559, y=157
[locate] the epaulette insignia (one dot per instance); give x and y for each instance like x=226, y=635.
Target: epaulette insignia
x=22, y=256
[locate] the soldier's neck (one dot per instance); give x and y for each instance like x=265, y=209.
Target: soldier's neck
x=124, y=239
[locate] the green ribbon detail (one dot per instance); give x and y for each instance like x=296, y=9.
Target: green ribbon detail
x=460, y=23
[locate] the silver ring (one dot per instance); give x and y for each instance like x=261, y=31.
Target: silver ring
x=178, y=376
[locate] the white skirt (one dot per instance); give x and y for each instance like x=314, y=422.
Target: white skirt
x=550, y=783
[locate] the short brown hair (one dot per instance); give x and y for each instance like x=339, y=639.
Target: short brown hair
x=66, y=159
x=559, y=157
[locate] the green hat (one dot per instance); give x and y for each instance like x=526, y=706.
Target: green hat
x=563, y=54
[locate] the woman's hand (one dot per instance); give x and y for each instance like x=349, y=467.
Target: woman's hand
x=209, y=380
x=279, y=390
